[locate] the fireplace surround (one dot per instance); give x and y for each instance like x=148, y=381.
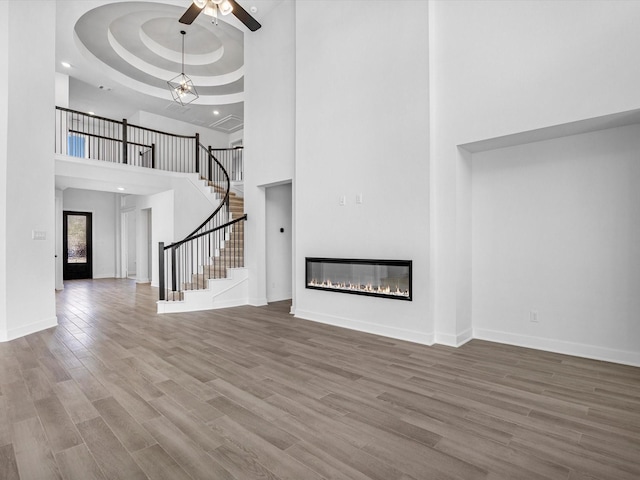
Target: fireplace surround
x=375, y=278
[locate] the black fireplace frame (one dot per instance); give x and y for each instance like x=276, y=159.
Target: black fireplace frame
x=357, y=261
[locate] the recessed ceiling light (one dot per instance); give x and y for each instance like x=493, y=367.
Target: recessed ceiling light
x=121, y=189
x=216, y=112
x=65, y=64
x=253, y=9
x=91, y=113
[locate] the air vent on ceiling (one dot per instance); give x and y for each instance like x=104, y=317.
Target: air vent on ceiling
x=228, y=124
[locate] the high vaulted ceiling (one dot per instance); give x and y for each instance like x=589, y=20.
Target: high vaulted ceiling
x=123, y=52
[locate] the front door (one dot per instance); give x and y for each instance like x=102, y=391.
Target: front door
x=76, y=245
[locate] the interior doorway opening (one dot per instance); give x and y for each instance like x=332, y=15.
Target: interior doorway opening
x=279, y=242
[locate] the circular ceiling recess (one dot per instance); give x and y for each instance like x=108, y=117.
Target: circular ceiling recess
x=139, y=45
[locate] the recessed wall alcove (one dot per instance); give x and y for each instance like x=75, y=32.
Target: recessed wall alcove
x=554, y=237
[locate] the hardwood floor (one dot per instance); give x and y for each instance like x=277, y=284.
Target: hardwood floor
x=118, y=392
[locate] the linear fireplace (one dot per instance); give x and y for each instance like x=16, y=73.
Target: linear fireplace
x=376, y=278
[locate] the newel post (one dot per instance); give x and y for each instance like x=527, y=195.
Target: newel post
x=210, y=163
x=161, y=286
x=125, y=148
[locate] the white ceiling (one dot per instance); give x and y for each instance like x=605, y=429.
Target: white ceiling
x=123, y=52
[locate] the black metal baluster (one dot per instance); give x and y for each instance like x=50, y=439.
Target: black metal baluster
x=161, y=284
x=173, y=270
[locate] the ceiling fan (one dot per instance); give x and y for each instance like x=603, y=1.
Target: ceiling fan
x=225, y=7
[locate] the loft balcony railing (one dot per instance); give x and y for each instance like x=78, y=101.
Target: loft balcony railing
x=82, y=135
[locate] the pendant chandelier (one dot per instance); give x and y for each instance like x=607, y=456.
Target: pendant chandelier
x=182, y=89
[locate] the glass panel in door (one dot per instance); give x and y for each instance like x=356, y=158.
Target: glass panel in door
x=76, y=243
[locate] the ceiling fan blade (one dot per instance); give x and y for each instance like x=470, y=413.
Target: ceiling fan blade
x=244, y=16
x=191, y=14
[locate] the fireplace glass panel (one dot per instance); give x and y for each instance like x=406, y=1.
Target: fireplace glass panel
x=379, y=278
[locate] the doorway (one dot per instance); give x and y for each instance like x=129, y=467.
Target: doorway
x=279, y=247
x=77, y=249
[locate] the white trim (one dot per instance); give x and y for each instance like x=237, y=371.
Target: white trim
x=231, y=291
x=366, y=327
x=258, y=302
x=185, y=307
x=28, y=329
x=212, y=282
x=454, y=340
x=560, y=346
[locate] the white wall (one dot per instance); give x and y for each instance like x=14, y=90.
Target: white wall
x=26, y=166
x=501, y=68
x=143, y=245
x=62, y=90
x=130, y=218
x=362, y=127
x=59, y=208
x=190, y=207
x=269, y=133
x=4, y=122
x=236, y=136
x=279, y=244
x=102, y=207
x=556, y=231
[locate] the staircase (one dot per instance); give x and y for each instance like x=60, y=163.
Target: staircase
x=221, y=280
x=206, y=268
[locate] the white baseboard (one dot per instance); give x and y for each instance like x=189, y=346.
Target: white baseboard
x=281, y=297
x=184, y=307
x=454, y=340
x=373, y=328
x=28, y=329
x=258, y=302
x=560, y=346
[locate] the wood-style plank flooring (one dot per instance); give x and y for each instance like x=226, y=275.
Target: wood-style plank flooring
x=118, y=392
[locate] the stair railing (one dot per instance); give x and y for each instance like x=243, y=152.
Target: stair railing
x=216, y=245
x=232, y=161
